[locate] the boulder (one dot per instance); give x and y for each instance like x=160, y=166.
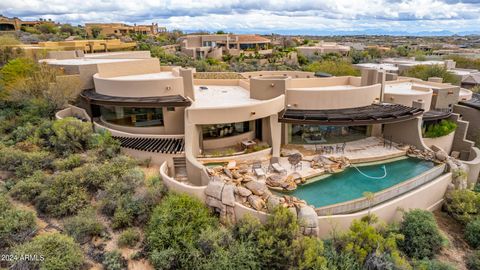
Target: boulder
x=214, y=189
x=441, y=156
x=256, y=202
x=274, y=180
x=228, y=196
x=273, y=202
x=243, y=191
x=227, y=172
x=236, y=175
x=256, y=187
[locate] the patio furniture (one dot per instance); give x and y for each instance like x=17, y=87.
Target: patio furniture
x=295, y=160
x=247, y=144
x=278, y=168
x=259, y=172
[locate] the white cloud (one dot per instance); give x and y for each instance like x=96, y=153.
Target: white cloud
x=263, y=16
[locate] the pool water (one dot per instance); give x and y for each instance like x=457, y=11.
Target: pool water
x=351, y=184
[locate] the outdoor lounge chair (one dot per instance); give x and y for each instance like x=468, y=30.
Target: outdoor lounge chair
x=278, y=168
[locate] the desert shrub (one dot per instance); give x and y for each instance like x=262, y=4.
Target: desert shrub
x=425, y=71
x=68, y=163
x=28, y=189
x=422, y=238
x=335, y=68
x=23, y=163
x=473, y=260
x=70, y=135
x=83, y=226
x=113, y=260
x=63, y=196
x=443, y=128
x=363, y=239
x=472, y=233
x=58, y=251
x=128, y=238
x=15, y=225
x=338, y=260
x=172, y=232
x=105, y=144
x=462, y=205
x=432, y=265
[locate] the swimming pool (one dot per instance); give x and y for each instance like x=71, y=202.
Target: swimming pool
x=352, y=183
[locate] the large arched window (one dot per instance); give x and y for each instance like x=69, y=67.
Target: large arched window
x=134, y=117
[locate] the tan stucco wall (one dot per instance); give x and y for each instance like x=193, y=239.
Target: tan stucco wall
x=406, y=132
x=473, y=117
x=264, y=88
x=227, y=141
x=286, y=73
x=139, y=88
x=311, y=99
x=428, y=196
x=444, y=142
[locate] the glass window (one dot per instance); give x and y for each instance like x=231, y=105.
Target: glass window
x=315, y=134
x=226, y=130
x=135, y=117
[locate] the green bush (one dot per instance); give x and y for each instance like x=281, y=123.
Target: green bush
x=59, y=252
x=83, y=226
x=473, y=260
x=363, y=239
x=425, y=71
x=432, y=265
x=70, y=136
x=23, y=163
x=443, y=128
x=462, y=205
x=335, y=68
x=28, y=189
x=105, y=144
x=63, y=196
x=114, y=261
x=472, y=233
x=422, y=238
x=68, y=163
x=15, y=225
x=128, y=238
x=339, y=260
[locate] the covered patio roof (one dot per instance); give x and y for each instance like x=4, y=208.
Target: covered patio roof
x=435, y=115
x=383, y=113
x=472, y=103
x=174, y=100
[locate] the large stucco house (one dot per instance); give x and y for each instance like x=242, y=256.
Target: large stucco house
x=242, y=145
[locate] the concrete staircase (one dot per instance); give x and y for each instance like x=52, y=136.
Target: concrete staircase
x=180, y=168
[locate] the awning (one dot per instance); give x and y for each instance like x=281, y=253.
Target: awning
x=435, y=115
x=158, y=145
x=472, y=103
x=373, y=114
x=99, y=99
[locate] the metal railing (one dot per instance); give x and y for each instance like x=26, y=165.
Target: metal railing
x=382, y=196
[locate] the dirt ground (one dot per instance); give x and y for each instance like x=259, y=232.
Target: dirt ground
x=457, y=248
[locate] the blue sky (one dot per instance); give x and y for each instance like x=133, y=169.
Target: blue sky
x=266, y=16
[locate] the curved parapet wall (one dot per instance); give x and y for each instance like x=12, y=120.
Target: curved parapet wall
x=247, y=112
x=473, y=166
x=292, y=74
x=73, y=111
x=337, y=98
x=428, y=197
x=174, y=185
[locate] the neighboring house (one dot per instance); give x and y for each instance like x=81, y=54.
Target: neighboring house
x=323, y=48
x=16, y=24
x=121, y=29
x=215, y=46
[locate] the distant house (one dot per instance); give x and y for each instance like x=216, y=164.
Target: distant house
x=16, y=24
x=323, y=48
x=121, y=29
x=215, y=46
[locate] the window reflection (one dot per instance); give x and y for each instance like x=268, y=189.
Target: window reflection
x=135, y=117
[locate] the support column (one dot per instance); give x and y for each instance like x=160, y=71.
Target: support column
x=276, y=129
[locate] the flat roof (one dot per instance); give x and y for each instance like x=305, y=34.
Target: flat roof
x=145, y=77
x=404, y=88
x=84, y=61
x=472, y=103
x=221, y=96
x=384, y=66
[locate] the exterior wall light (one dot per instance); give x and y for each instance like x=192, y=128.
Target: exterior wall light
x=168, y=87
x=450, y=92
x=272, y=85
x=252, y=113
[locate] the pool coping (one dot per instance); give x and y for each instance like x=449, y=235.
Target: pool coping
x=382, y=196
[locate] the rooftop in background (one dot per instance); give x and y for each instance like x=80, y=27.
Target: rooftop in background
x=221, y=96
x=83, y=61
x=407, y=88
x=146, y=76
x=379, y=66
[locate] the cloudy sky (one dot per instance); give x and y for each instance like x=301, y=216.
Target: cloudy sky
x=265, y=16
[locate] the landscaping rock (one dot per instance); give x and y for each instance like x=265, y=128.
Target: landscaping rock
x=256, y=187
x=243, y=191
x=228, y=196
x=214, y=189
x=227, y=172
x=441, y=156
x=256, y=202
